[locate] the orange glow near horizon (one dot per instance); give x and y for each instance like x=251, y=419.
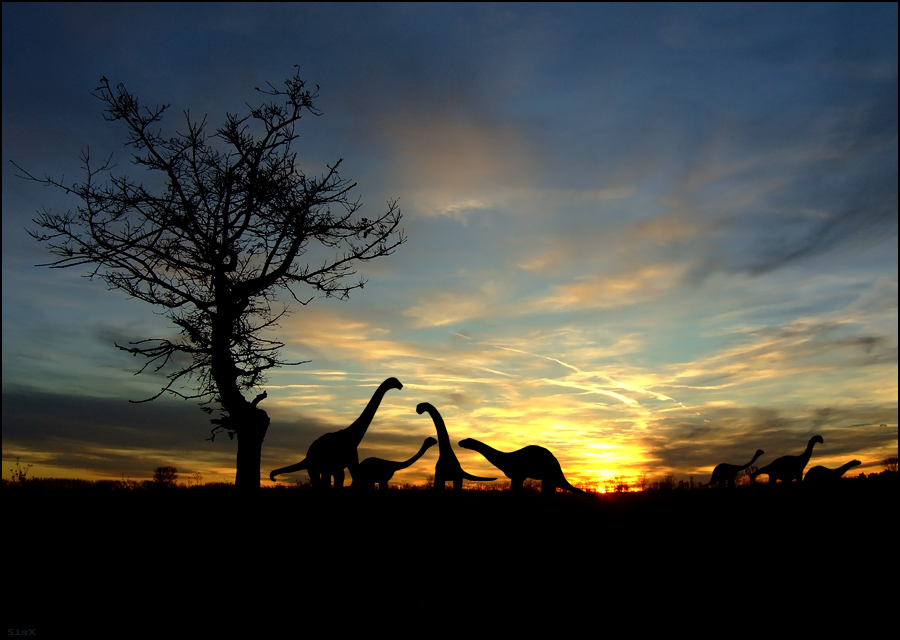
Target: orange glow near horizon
x=645, y=302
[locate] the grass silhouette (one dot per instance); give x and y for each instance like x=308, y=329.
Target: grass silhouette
x=340, y=562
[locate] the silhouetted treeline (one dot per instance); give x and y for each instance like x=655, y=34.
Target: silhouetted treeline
x=165, y=478
x=106, y=486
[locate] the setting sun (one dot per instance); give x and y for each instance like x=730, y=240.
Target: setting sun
x=646, y=269
x=352, y=320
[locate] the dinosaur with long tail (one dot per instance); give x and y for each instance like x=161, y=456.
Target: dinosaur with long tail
x=372, y=471
x=824, y=475
x=331, y=453
x=529, y=462
x=447, y=467
x=788, y=468
x=724, y=473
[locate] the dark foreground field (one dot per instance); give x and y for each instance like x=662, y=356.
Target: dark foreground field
x=208, y=562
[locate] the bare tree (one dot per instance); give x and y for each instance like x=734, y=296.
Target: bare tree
x=667, y=483
x=743, y=476
x=213, y=246
x=165, y=476
x=643, y=482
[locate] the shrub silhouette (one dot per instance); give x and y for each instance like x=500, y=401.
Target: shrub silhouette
x=165, y=476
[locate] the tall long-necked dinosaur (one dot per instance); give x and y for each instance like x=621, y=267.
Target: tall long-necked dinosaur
x=372, y=471
x=331, y=453
x=447, y=467
x=788, y=468
x=824, y=475
x=724, y=473
x=528, y=462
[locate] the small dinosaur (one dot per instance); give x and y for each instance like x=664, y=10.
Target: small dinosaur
x=724, y=474
x=529, y=462
x=372, y=471
x=824, y=475
x=447, y=467
x=788, y=468
x=331, y=453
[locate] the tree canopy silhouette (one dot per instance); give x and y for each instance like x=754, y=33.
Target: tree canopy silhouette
x=220, y=229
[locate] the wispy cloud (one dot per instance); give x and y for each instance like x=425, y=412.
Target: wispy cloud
x=650, y=238
x=607, y=291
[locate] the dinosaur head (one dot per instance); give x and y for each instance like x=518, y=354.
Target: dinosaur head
x=816, y=439
x=392, y=383
x=423, y=407
x=466, y=444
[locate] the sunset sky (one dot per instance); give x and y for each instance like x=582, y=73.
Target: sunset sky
x=650, y=238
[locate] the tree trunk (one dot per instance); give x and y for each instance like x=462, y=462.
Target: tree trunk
x=250, y=435
x=245, y=419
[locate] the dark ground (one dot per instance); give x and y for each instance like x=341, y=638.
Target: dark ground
x=208, y=562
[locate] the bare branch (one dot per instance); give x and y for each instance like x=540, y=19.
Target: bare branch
x=217, y=230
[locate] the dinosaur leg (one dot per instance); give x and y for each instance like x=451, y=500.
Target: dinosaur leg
x=457, y=484
x=353, y=464
x=338, y=478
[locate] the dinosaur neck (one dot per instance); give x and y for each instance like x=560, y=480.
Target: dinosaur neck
x=443, y=436
x=358, y=429
x=747, y=466
x=412, y=460
x=808, y=453
x=491, y=455
x=845, y=467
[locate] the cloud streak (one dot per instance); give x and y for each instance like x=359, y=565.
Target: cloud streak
x=650, y=238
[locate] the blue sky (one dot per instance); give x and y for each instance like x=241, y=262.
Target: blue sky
x=651, y=238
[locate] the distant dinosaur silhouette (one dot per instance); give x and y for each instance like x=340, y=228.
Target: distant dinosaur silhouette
x=447, y=467
x=724, y=474
x=528, y=462
x=788, y=468
x=331, y=453
x=824, y=475
x=372, y=471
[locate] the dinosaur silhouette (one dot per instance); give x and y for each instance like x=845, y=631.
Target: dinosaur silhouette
x=824, y=475
x=372, y=471
x=788, y=468
x=447, y=467
x=529, y=462
x=331, y=453
x=724, y=474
